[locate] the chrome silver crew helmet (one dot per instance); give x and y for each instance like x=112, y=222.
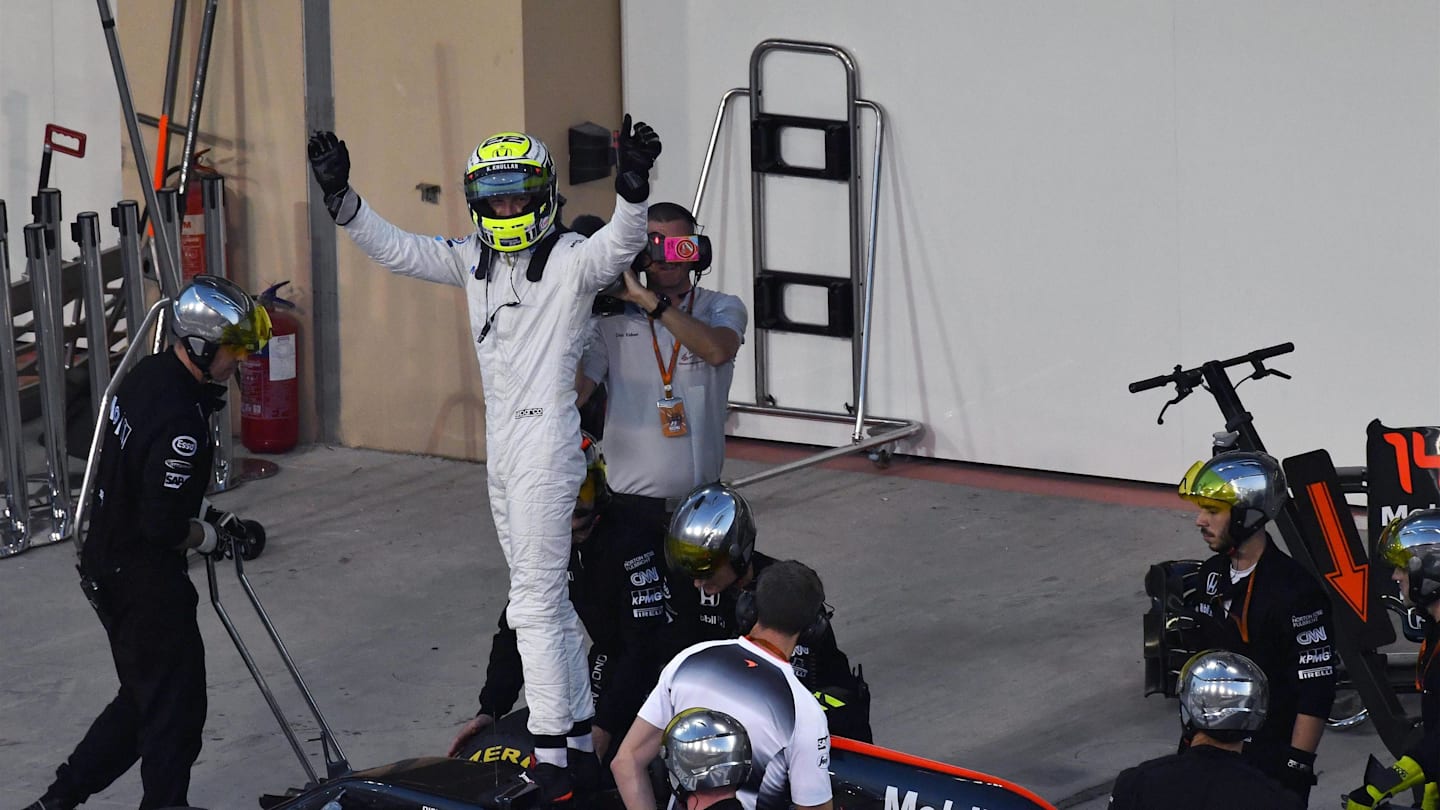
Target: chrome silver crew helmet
x=1412, y=544
x=704, y=749
x=1251, y=485
x=712, y=527
x=211, y=312
x=1223, y=694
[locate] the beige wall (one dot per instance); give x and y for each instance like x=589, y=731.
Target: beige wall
x=572, y=75
x=417, y=85
x=252, y=120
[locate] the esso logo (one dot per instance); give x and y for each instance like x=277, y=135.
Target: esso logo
x=185, y=445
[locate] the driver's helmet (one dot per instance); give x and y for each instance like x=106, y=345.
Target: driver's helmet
x=594, y=491
x=211, y=312
x=507, y=164
x=1223, y=694
x=1412, y=544
x=712, y=527
x=1249, y=484
x=704, y=749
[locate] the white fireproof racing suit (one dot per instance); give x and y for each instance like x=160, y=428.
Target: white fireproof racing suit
x=532, y=429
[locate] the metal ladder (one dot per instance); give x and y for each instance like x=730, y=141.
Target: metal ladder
x=848, y=314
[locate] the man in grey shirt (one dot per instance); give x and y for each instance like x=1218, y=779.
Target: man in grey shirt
x=666, y=361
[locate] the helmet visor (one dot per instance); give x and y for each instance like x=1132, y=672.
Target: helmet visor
x=249, y=335
x=693, y=561
x=1204, y=486
x=1404, y=539
x=506, y=179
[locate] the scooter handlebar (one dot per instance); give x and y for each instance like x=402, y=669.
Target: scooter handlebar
x=1194, y=375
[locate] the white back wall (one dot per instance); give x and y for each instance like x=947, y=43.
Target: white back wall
x=1076, y=196
x=55, y=69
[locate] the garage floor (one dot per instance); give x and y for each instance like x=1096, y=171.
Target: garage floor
x=997, y=616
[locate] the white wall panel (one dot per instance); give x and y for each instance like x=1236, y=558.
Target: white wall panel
x=54, y=68
x=1075, y=196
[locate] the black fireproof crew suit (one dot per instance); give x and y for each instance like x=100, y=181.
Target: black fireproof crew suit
x=1280, y=619
x=619, y=592
x=1427, y=679
x=154, y=468
x=1202, y=777
x=821, y=666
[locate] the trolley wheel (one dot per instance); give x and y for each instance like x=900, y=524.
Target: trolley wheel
x=1348, y=713
x=256, y=544
x=882, y=457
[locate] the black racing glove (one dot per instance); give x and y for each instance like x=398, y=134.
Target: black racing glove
x=1299, y=773
x=636, y=153
x=235, y=536
x=330, y=163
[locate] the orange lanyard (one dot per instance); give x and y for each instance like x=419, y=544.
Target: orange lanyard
x=667, y=374
x=767, y=647
x=1243, y=618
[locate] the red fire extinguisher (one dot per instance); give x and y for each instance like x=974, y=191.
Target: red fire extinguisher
x=269, y=385
x=192, y=221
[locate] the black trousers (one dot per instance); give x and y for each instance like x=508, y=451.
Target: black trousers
x=158, y=715
x=631, y=525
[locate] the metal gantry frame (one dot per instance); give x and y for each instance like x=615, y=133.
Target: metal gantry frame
x=851, y=316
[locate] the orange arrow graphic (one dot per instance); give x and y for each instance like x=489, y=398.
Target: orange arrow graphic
x=1350, y=580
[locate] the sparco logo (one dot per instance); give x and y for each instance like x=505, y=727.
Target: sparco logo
x=527, y=413
x=184, y=445
x=1312, y=636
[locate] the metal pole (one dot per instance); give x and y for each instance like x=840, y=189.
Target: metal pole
x=863, y=386
x=255, y=672
x=92, y=459
x=212, y=189
x=168, y=255
x=15, y=537
x=761, y=346
x=168, y=205
x=337, y=765
x=324, y=282
x=197, y=94
x=167, y=104
x=710, y=150
x=172, y=62
x=45, y=207
x=126, y=217
x=86, y=233
x=49, y=340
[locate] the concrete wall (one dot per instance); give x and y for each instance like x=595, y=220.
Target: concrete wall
x=252, y=123
x=411, y=106
x=416, y=87
x=1079, y=195
x=54, y=69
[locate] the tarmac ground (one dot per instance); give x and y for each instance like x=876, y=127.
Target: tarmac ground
x=997, y=616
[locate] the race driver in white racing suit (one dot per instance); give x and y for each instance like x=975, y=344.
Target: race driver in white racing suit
x=529, y=287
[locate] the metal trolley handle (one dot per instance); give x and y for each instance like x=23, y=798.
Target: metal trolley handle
x=336, y=764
